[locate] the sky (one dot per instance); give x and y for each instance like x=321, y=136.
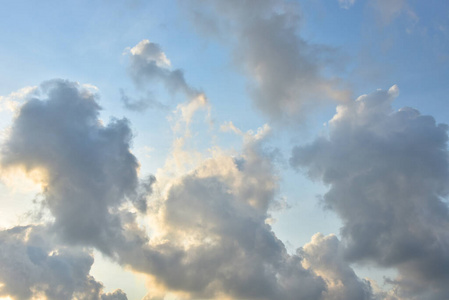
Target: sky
x=212, y=149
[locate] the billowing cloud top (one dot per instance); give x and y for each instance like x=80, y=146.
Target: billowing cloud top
x=388, y=174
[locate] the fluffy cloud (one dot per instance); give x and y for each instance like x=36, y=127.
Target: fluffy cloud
x=324, y=255
x=210, y=233
x=87, y=167
x=388, y=174
x=213, y=240
x=33, y=266
x=285, y=71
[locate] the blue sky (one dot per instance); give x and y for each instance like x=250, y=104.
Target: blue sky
x=261, y=149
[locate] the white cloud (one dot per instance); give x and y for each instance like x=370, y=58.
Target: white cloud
x=13, y=101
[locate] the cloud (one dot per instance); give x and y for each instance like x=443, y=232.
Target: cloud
x=149, y=64
x=209, y=234
x=141, y=104
x=212, y=240
x=346, y=3
x=387, y=11
x=324, y=255
x=388, y=173
x=286, y=73
x=87, y=167
x=35, y=267
x=13, y=101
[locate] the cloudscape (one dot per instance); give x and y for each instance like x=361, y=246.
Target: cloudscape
x=224, y=149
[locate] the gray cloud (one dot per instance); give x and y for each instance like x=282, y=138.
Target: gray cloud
x=87, y=166
x=141, y=104
x=388, y=175
x=148, y=63
x=215, y=241
x=34, y=266
x=324, y=255
x=285, y=71
x=210, y=236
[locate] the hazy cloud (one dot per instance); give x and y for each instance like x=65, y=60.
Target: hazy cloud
x=149, y=64
x=141, y=104
x=388, y=173
x=33, y=266
x=285, y=71
x=346, y=3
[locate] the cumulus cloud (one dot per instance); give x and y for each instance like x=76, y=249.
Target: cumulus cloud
x=388, y=174
x=209, y=233
x=324, y=255
x=388, y=10
x=35, y=267
x=213, y=240
x=87, y=167
x=285, y=71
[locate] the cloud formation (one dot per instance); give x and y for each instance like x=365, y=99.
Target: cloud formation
x=210, y=233
x=87, y=168
x=286, y=73
x=149, y=64
x=33, y=266
x=388, y=173
x=141, y=104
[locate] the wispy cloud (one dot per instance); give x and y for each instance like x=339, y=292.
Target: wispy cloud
x=285, y=72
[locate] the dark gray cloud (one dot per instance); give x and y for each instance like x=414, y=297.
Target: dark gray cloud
x=285, y=71
x=88, y=166
x=33, y=266
x=388, y=176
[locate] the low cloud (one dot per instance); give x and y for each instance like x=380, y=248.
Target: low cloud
x=87, y=167
x=34, y=266
x=209, y=234
x=388, y=173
